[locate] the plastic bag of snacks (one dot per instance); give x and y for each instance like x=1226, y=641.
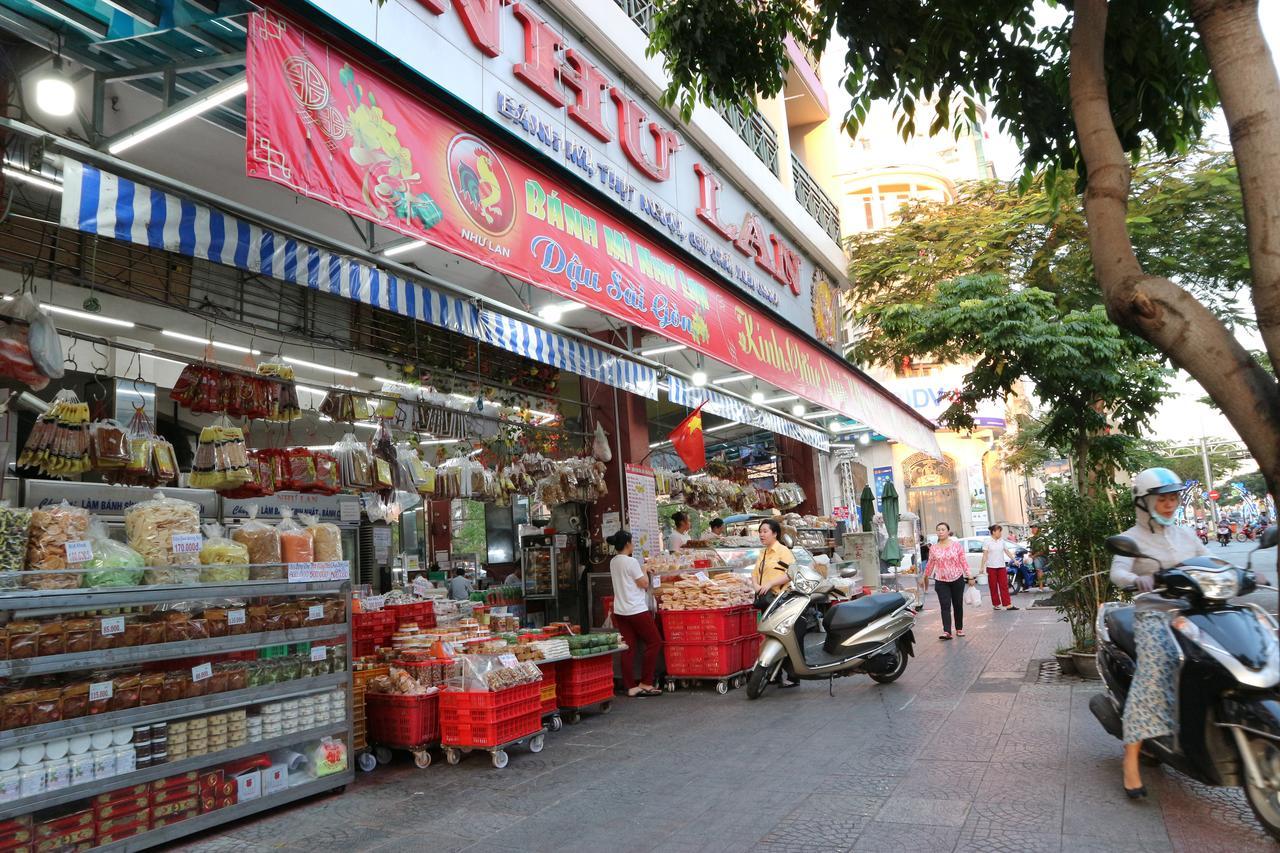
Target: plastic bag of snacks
x=222, y=560
x=113, y=563
x=283, y=393
x=51, y=529
x=152, y=461
x=30, y=350
x=295, y=543
x=326, y=539
x=15, y=524
x=151, y=527
x=354, y=462
x=108, y=445
x=488, y=672
x=59, y=443
x=221, y=462
x=263, y=543
x=301, y=467
x=327, y=481
x=326, y=757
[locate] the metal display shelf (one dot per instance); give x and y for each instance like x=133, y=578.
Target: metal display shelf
x=199, y=823
x=100, y=598
x=160, y=771
x=132, y=655
x=172, y=710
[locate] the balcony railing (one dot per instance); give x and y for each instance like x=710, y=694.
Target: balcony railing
x=814, y=200
x=753, y=128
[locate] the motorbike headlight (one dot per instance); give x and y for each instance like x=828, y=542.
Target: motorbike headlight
x=1215, y=585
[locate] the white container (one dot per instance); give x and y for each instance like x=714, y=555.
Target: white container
x=10, y=785
x=104, y=763
x=32, y=780
x=81, y=768
x=9, y=758
x=80, y=744
x=56, y=749
x=32, y=754
x=100, y=740
x=122, y=735
x=126, y=760
x=57, y=774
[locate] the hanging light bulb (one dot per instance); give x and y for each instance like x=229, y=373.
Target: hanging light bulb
x=757, y=397
x=798, y=409
x=699, y=378
x=54, y=93
x=865, y=438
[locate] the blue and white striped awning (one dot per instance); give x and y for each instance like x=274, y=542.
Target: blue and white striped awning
x=683, y=394
x=101, y=203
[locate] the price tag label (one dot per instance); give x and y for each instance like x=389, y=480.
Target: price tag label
x=112, y=625
x=201, y=672
x=373, y=602
x=349, y=511
x=79, y=552
x=508, y=659
x=319, y=652
x=411, y=562
x=235, y=617
x=562, y=540
x=315, y=611
x=702, y=576
x=100, y=691
x=186, y=543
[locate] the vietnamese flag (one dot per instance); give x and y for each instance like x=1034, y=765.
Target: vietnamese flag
x=687, y=439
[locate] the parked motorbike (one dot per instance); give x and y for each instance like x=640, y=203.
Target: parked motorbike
x=1228, y=689
x=1022, y=573
x=871, y=635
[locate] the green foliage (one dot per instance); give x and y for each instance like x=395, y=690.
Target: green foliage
x=1253, y=481
x=1156, y=455
x=951, y=57
x=469, y=536
x=1075, y=530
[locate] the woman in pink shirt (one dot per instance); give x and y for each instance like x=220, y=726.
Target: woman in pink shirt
x=950, y=569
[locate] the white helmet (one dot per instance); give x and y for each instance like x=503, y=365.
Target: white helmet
x=1155, y=481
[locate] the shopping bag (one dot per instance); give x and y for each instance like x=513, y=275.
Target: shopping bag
x=972, y=597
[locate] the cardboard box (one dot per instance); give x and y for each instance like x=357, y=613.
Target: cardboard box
x=132, y=805
x=249, y=786
x=121, y=794
x=156, y=823
x=123, y=821
x=124, y=832
x=172, y=781
x=176, y=792
x=65, y=824
x=275, y=778
x=16, y=837
x=175, y=807
x=211, y=780
x=65, y=840
x=13, y=824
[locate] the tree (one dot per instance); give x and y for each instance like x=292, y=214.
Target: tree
x=1086, y=92
x=1157, y=454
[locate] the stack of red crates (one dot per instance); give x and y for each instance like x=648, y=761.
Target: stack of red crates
x=374, y=629
x=483, y=719
x=709, y=643
x=548, y=691
x=420, y=613
x=584, y=681
x=403, y=721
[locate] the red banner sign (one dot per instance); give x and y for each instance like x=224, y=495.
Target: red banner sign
x=329, y=128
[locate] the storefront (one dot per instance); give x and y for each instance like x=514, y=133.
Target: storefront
x=417, y=321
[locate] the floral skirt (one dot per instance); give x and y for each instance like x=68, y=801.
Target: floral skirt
x=1149, y=710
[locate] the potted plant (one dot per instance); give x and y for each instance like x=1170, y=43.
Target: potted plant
x=1066, y=663
x=1074, y=534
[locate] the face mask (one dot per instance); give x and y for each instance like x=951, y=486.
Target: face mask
x=1161, y=520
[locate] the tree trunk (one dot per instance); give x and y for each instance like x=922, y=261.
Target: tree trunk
x=1150, y=306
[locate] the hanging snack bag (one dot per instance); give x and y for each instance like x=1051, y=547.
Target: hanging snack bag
x=222, y=560
x=326, y=539
x=51, y=529
x=295, y=543
x=302, y=469
x=263, y=543
x=152, y=527
x=113, y=563
x=15, y=524
x=108, y=445
x=327, y=480
x=354, y=462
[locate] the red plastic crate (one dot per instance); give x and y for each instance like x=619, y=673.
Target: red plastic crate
x=548, y=695
x=472, y=707
x=703, y=659
x=588, y=693
x=582, y=670
x=489, y=734
x=748, y=624
x=548, y=671
x=403, y=721
x=703, y=626
x=749, y=648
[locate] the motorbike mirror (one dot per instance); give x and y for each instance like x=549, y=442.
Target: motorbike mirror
x=1124, y=546
x=1270, y=537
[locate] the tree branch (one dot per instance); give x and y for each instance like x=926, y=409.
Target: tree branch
x=1250, y=91
x=1153, y=307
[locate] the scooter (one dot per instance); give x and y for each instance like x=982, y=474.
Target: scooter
x=871, y=635
x=1224, y=538
x=1228, y=682
x=1203, y=534
x=1022, y=573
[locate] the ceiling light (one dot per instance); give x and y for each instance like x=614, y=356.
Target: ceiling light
x=699, y=378
x=658, y=444
x=720, y=427
x=164, y=358
x=54, y=93
x=319, y=392
x=442, y=441
x=787, y=399
x=33, y=179
x=475, y=452
x=813, y=416
x=757, y=397
x=551, y=313
x=196, y=339
x=403, y=247
x=320, y=447
x=385, y=381
x=301, y=363
x=85, y=315
x=798, y=409
x=189, y=109
x=663, y=350
x=865, y=438
x=360, y=424
x=725, y=380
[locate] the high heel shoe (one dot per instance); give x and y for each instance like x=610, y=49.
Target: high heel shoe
x=1136, y=793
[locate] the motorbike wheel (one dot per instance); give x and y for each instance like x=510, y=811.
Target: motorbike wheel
x=757, y=682
x=1240, y=537
x=892, y=675
x=1265, y=802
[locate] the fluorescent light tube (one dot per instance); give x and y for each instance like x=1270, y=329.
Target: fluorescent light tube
x=787, y=399
x=402, y=248
x=662, y=350
x=197, y=105
x=196, y=339
x=85, y=315
x=302, y=363
x=725, y=380
x=33, y=179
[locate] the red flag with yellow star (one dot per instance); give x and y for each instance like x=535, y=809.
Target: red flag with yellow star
x=687, y=440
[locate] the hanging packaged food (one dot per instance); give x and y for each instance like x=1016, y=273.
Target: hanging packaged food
x=113, y=563
x=52, y=528
x=15, y=524
x=30, y=349
x=282, y=393
x=295, y=542
x=152, y=526
x=355, y=464
x=222, y=560
x=263, y=543
x=326, y=539
x=345, y=405
x=108, y=445
x=301, y=466
x=221, y=459
x=600, y=445
x=59, y=443
x=327, y=479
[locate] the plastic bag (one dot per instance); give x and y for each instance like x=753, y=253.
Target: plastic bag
x=15, y=524
x=295, y=543
x=326, y=757
x=263, y=543
x=972, y=596
x=326, y=539
x=151, y=526
x=600, y=445
x=222, y=560
x=113, y=563
x=51, y=529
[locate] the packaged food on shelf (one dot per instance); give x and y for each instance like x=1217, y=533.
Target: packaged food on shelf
x=326, y=538
x=263, y=543
x=151, y=526
x=50, y=531
x=113, y=563
x=15, y=525
x=491, y=673
x=108, y=445
x=295, y=543
x=222, y=560
x=326, y=757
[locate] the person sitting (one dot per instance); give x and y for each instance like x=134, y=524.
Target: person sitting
x=716, y=529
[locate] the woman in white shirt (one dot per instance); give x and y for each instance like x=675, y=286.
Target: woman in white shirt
x=632, y=617
x=996, y=553
x=680, y=533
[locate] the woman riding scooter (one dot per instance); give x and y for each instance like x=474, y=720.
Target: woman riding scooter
x=1149, y=712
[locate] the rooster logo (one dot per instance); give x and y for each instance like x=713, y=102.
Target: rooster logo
x=481, y=185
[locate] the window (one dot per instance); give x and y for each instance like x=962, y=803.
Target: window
x=975, y=546
x=468, y=531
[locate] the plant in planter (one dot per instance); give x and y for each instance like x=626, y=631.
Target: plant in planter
x=1074, y=532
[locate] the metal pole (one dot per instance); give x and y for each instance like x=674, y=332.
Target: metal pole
x=1208, y=477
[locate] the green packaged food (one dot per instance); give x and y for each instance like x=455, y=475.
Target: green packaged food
x=113, y=563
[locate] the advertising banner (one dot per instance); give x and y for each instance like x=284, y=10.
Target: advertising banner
x=880, y=476
x=327, y=127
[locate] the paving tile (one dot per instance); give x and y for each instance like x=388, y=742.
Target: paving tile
x=930, y=779
x=1112, y=844
x=879, y=837
x=996, y=840
x=921, y=811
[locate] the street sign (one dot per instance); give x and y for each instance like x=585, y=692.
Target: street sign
x=1213, y=496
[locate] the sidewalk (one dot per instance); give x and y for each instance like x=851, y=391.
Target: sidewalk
x=965, y=753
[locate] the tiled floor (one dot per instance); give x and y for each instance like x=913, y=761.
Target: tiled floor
x=963, y=753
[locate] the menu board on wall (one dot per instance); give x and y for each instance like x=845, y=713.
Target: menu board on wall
x=642, y=510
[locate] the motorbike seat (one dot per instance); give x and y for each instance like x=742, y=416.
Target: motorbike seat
x=852, y=616
x=1119, y=622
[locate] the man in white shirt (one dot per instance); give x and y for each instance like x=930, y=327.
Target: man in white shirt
x=680, y=535
x=512, y=579
x=996, y=553
x=460, y=587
